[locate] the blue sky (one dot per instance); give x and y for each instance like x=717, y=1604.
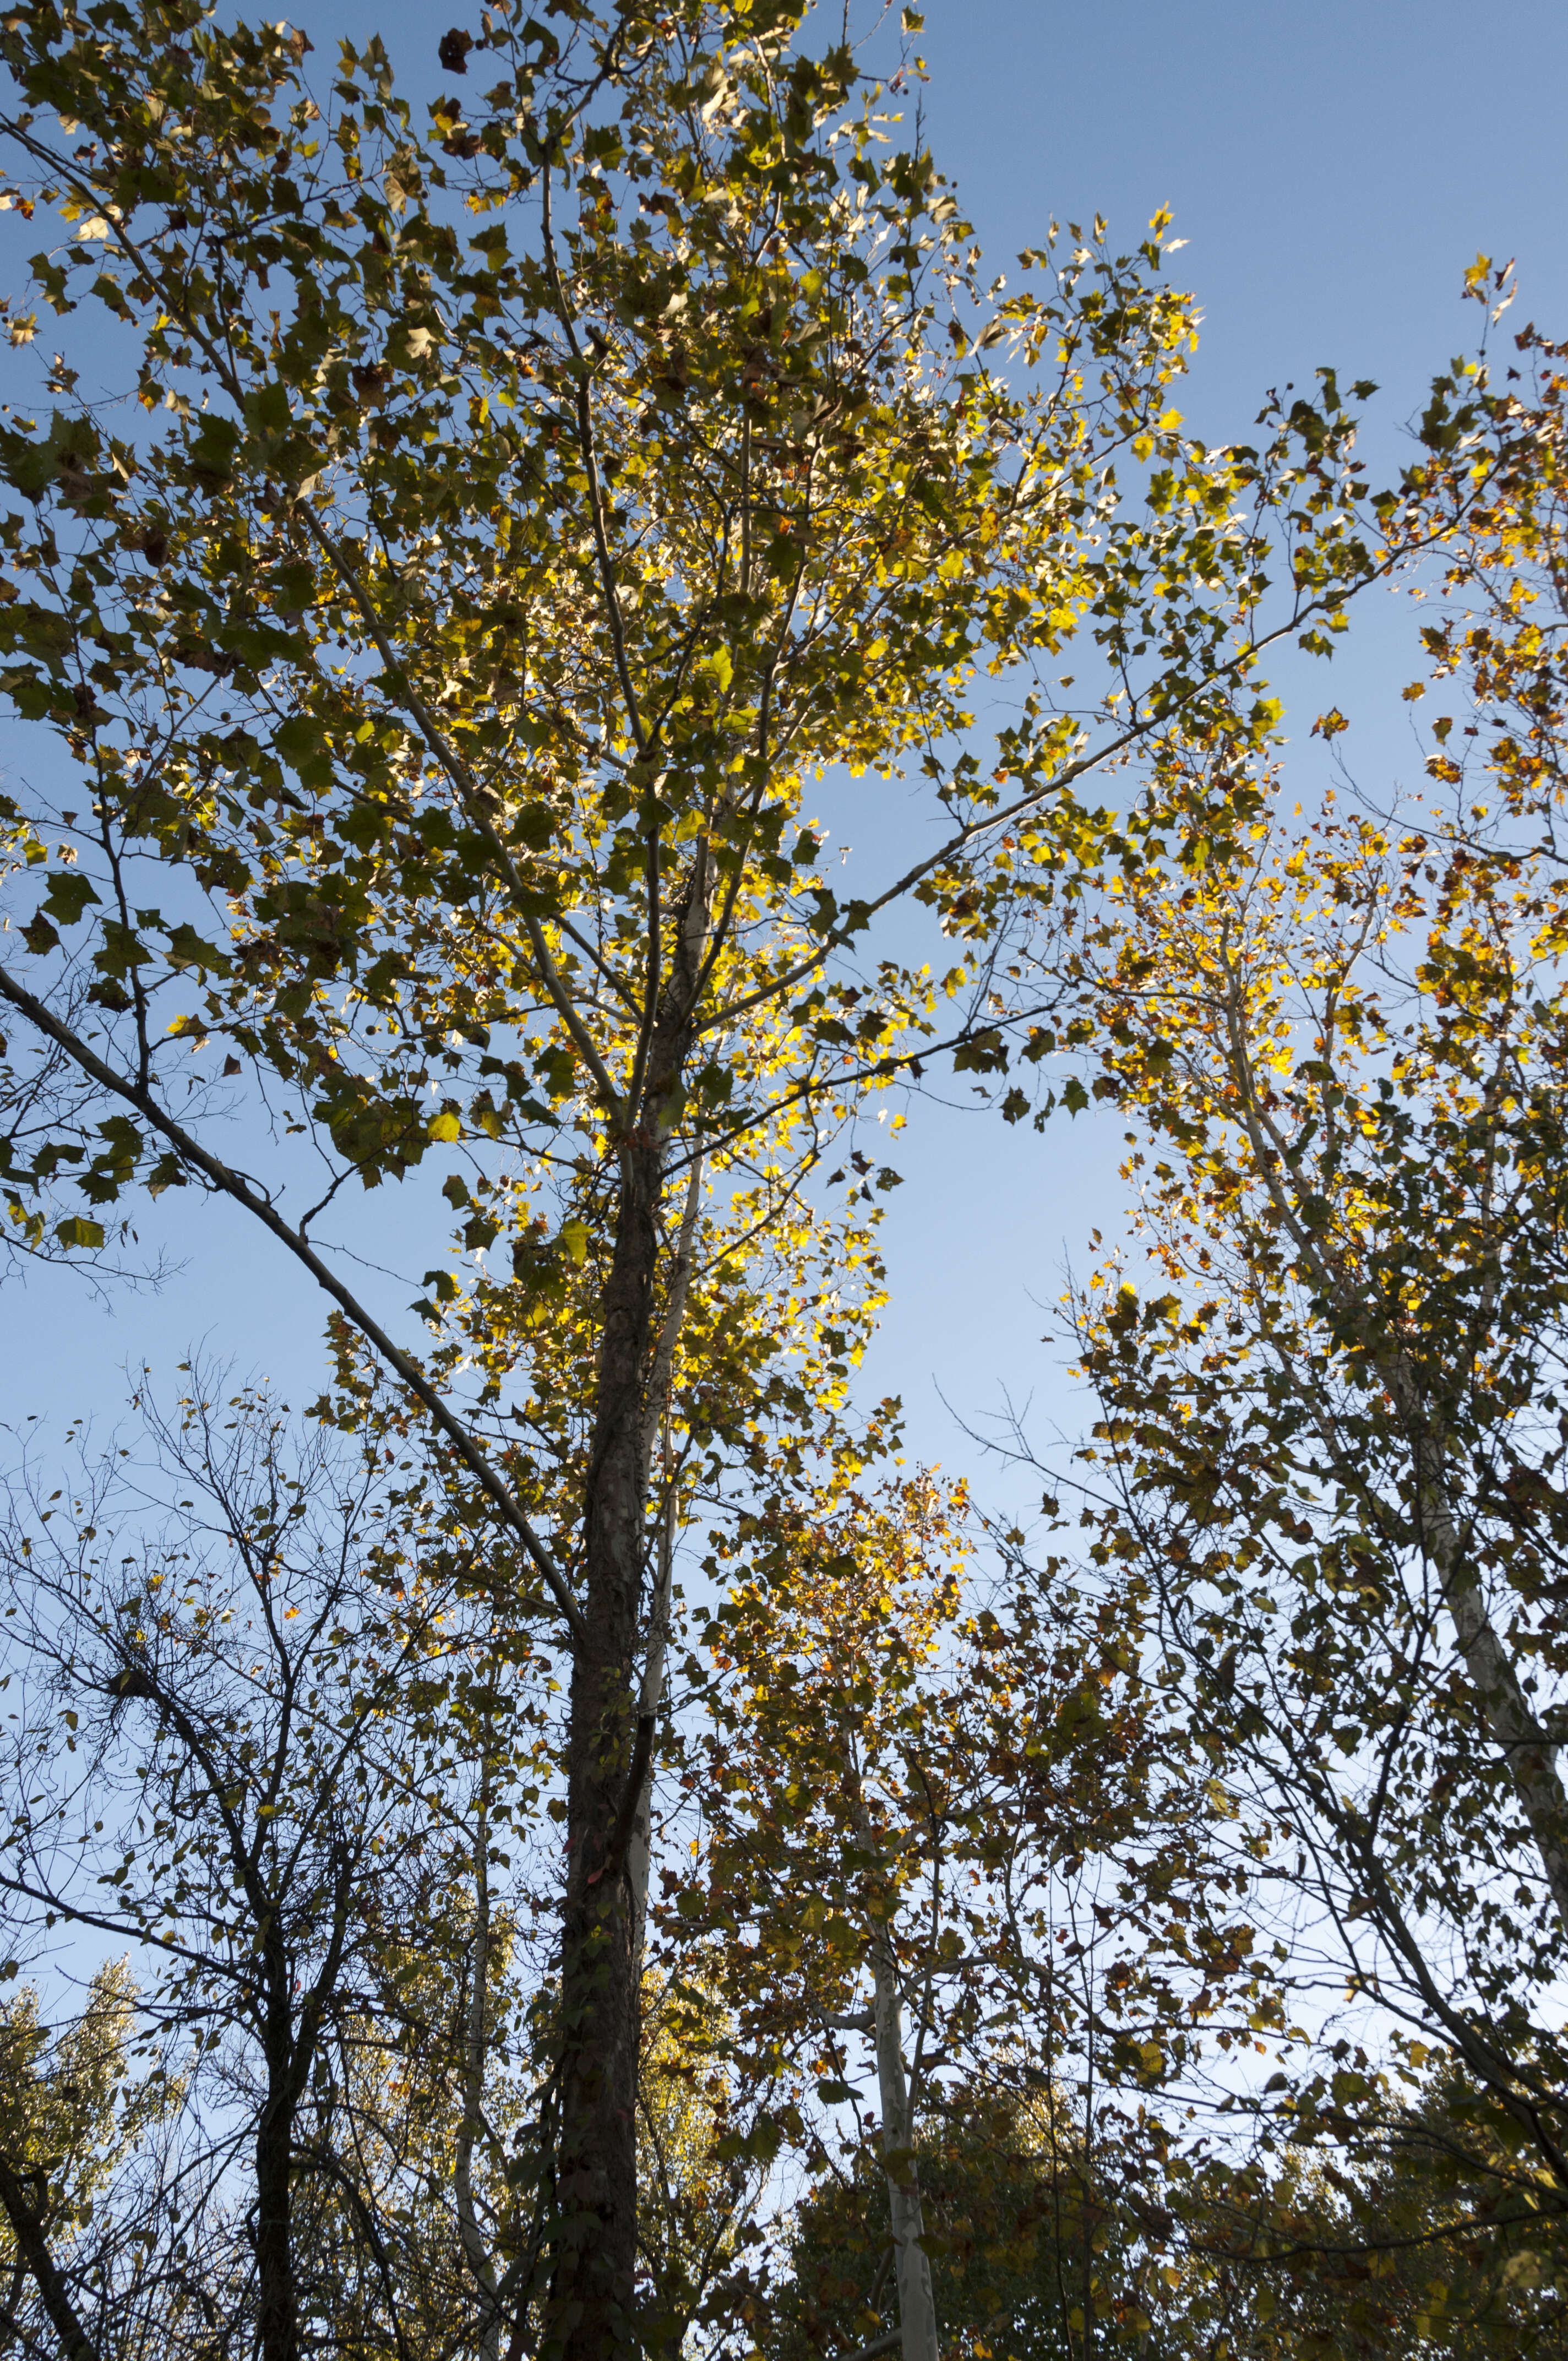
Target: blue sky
x=1334, y=168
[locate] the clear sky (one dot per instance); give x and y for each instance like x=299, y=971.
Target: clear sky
x=1333, y=168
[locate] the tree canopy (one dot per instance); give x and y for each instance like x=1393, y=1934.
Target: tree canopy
x=552, y=1783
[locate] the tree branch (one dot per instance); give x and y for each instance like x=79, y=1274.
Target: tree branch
x=223, y=1177
x=28, y=2229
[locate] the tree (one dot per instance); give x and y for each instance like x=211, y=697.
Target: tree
x=1012, y=2222
x=958, y=1855
x=1331, y=1446
x=71, y=2115
x=1419, y=2245
x=272, y=1685
x=443, y=660
x=700, y=2176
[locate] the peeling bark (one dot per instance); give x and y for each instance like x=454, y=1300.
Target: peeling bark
x=916, y=2304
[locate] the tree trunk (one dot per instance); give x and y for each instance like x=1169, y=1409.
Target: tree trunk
x=916, y=2304
x=651, y=1694
x=480, y=2261
x=649, y=1697
x=1508, y=1714
x=592, y=2295
x=278, y=2311
x=592, y=2298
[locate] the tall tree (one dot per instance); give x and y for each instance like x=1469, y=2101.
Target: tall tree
x=1331, y=1442
x=517, y=519
x=1014, y=2220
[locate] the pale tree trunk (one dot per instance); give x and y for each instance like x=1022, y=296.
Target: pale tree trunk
x=1515, y=1728
x=475, y=2247
x=652, y=1692
x=1511, y=1719
x=916, y=2304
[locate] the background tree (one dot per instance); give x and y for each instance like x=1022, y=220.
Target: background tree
x=1419, y=2246
x=270, y=1688
x=700, y=2176
x=960, y=1876
x=1330, y=1447
x=73, y=2114
x=1012, y=2221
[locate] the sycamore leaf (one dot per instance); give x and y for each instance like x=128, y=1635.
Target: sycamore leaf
x=75, y=1230
x=69, y=895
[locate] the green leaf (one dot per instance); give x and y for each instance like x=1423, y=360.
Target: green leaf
x=76, y=1231
x=69, y=895
x=186, y=949
x=42, y=631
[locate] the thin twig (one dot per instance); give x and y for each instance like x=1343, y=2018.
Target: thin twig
x=233, y=1184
